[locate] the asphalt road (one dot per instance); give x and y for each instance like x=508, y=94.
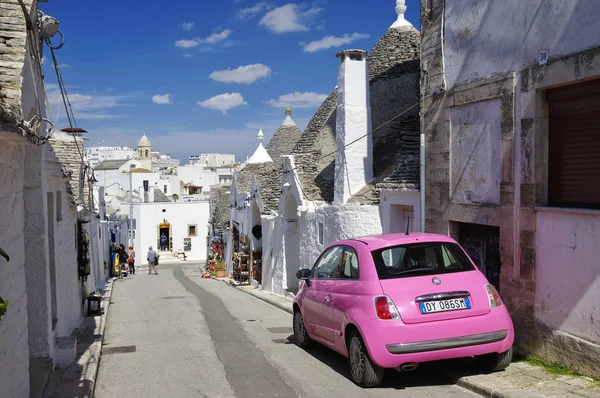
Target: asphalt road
x=177, y=335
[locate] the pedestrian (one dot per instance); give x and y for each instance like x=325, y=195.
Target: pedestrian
x=163, y=242
x=131, y=260
x=123, y=267
x=152, y=258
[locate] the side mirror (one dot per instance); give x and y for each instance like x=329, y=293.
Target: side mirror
x=303, y=274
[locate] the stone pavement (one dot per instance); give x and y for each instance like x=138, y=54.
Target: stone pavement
x=519, y=380
x=79, y=378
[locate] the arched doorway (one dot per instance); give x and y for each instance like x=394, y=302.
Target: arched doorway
x=291, y=237
x=164, y=237
x=256, y=245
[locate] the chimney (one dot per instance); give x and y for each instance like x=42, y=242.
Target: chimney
x=354, y=156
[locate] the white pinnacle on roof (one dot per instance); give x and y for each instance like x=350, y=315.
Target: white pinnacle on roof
x=401, y=9
x=288, y=118
x=260, y=155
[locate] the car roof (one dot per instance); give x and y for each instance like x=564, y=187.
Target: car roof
x=375, y=242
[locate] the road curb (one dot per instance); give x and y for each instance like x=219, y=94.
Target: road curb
x=478, y=388
x=78, y=379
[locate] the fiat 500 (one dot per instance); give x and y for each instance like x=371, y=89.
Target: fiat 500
x=396, y=300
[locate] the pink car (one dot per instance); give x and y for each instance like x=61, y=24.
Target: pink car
x=393, y=301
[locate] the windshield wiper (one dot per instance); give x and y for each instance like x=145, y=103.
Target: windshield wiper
x=417, y=270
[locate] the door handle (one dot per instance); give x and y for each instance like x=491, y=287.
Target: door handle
x=328, y=298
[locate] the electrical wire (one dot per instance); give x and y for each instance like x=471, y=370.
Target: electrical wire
x=434, y=93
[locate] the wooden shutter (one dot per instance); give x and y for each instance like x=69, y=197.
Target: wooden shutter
x=574, y=156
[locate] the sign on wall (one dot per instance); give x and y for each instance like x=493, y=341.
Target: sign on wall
x=187, y=244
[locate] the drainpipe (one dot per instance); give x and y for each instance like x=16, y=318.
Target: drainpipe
x=422, y=175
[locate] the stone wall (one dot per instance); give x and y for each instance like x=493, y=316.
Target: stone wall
x=14, y=349
x=486, y=137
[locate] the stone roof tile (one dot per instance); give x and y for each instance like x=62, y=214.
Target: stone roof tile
x=67, y=151
x=111, y=164
x=13, y=41
x=394, y=72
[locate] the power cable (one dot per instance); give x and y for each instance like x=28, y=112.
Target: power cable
x=433, y=94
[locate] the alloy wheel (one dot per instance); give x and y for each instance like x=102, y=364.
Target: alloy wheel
x=357, y=358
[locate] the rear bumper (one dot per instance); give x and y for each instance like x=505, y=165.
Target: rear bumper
x=394, y=343
x=445, y=344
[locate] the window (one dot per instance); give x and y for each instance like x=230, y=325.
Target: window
x=349, y=265
x=192, y=230
x=328, y=264
x=146, y=153
x=165, y=189
x=59, y=216
x=420, y=259
x=573, y=144
x=320, y=226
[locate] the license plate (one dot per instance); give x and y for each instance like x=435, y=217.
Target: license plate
x=428, y=307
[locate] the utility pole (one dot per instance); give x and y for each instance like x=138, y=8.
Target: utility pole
x=130, y=206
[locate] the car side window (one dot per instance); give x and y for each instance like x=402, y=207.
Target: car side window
x=349, y=265
x=328, y=265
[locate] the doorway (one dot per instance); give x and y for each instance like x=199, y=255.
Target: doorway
x=482, y=244
x=164, y=237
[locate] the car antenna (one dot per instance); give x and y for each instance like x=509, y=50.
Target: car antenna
x=407, y=224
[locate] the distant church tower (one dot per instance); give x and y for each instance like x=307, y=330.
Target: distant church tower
x=144, y=150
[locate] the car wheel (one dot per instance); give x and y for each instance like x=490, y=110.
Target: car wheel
x=494, y=362
x=302, y=338
x=363, y=370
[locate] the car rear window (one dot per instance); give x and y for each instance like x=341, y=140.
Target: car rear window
x=418, y=259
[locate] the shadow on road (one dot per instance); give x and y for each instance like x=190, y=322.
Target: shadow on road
x=428, y=374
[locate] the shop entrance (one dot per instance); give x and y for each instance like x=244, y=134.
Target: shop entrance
x=164, y=237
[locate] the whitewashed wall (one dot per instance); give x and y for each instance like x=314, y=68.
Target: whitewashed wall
x=477, y=44
x=568, y=271
x=68, y=292
x=14, y=361
x=393, y=222
x=149, y=215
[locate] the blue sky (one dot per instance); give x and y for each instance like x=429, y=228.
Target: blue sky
x=200, y=78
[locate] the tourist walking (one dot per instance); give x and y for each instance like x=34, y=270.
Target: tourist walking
x=131, y=260
x=152, y=258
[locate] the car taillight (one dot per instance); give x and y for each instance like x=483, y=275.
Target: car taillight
x=493, y=296
x=385, y=308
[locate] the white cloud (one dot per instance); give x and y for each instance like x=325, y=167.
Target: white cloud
x=289, y=18
x=247, y=74
x=298, y=100
x=212, y=39
x=162, y=99
x=188, y=55
x=187, y=26
x=251, y=12
x=88, y=106
x=223, y=102
x=187, y=43
x=328, y=42
x=217, y=37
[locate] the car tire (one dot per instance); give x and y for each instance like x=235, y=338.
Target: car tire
x=495, y=362
x=365, y=373
x=301, y=336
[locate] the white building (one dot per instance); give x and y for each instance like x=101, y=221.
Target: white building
x=327, y=188
x=512, y=160
x=98, y=154
x=212, y=159
x=200, y=177
x=44, y=277
x=185, y=224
